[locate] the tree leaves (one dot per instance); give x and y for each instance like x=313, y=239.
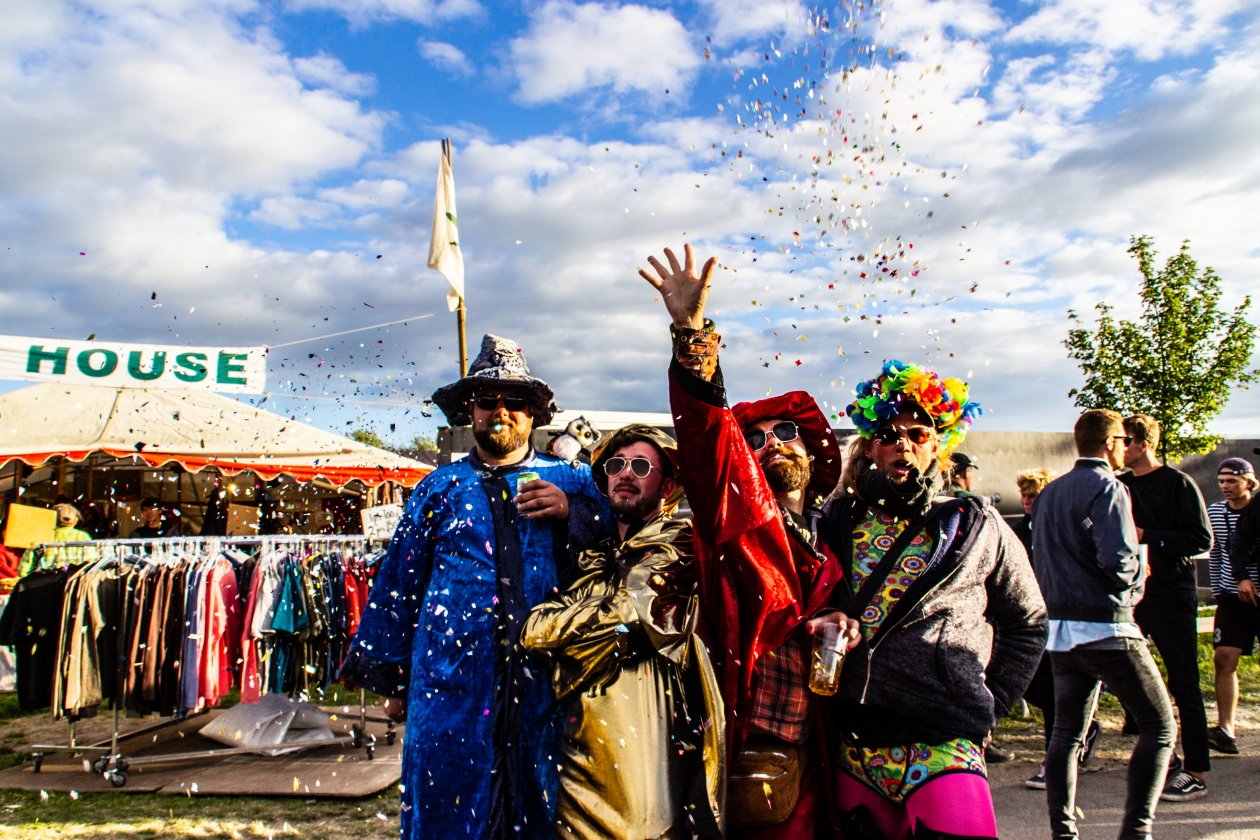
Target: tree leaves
x=1179, y=363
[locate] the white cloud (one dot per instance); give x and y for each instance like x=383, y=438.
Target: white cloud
x=327, y=71
x=257, y=194
x=589, y=49
x=384, y=192
x=1150, y=30
x=446, y=56
x=292, y=213
x=733, y=20
x=363, y=12
x=194, y=102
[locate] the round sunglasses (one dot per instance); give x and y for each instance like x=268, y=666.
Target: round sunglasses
x=914, y=434
x=782, y=431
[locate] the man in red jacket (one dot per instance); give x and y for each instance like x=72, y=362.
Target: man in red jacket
x=755, y=476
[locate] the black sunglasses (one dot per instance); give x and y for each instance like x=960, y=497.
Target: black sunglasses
x=489, y=402
x=641, y=467
x=782, y=431
x=1126, y=438
x=890, y=436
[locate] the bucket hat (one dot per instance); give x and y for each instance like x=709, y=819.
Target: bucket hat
x=500, y=364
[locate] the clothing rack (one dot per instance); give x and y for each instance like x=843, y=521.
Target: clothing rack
x=110, y=763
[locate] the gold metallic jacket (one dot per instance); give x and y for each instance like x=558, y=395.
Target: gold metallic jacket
x=643, y=748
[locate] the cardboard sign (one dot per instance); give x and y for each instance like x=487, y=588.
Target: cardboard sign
x=29, y=526
x=240, y=370
x=242, y=521
x=380, y=522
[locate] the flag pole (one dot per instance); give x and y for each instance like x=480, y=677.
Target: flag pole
x=463, y=339
x=445, y=254
x=461, y=314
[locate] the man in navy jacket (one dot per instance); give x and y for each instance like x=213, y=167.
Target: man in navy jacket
x=1092, y=577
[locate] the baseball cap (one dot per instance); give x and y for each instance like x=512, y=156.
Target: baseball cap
x=1236, y=466
x=962, y=461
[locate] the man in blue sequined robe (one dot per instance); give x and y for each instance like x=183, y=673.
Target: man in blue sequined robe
x=479, y=544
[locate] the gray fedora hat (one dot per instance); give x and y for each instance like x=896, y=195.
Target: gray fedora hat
x=501, y=363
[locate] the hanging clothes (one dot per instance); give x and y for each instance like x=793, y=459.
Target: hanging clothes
x=31, y=625
x=173, y=626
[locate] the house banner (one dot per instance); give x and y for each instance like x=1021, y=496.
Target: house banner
x=240, y=370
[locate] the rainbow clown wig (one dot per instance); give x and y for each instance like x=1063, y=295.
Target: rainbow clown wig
x=901, y=386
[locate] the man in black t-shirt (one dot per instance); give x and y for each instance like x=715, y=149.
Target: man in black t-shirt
x=1173, y=526
x=155, y=524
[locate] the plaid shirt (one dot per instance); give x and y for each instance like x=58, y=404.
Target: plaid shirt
x=780, y=696
x=780, y=689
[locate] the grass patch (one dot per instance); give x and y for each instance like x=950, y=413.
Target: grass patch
x=9, y=705
x=33, y=816
x=1248, y=676
x=1248, y=673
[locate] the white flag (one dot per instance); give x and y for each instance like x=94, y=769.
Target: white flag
x=444, y=252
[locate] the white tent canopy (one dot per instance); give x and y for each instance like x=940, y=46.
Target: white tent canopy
x=196, y=429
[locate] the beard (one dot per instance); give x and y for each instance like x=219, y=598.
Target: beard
x=905, y=499
x=632, y=509
x=499, y=441
x=788, y=474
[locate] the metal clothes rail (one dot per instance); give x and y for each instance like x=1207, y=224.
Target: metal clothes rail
x=110, y=763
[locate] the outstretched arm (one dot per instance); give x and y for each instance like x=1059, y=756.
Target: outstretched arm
x=683, y=291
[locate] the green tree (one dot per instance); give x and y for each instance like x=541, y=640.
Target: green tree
x=1178, y=363
x=369, y=437
x=424, y=443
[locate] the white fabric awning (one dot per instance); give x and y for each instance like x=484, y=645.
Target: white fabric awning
x=195, y=429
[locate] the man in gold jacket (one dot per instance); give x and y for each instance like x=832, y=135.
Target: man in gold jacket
x=642, y=753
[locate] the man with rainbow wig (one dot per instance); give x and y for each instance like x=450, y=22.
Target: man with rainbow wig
x=950, y=622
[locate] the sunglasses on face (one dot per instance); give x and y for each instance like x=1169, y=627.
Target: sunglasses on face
x=489, y=402
x=639, y=466
x=914, y=434
x=782, y=432
x=1126, y=438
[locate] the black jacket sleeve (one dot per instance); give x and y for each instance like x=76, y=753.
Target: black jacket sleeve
x=1244, y=547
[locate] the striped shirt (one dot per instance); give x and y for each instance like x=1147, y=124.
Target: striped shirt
x=1224, y=521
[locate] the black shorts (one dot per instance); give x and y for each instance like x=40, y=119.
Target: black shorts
x=1237, y=624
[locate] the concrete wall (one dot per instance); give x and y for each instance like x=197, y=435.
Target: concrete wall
x=1001, y=455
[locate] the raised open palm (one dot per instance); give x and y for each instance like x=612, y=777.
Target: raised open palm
x=683, y=291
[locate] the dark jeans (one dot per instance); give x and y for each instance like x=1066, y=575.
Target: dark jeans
x=1132, y=677
x=1169, y=618
x=1040, y=693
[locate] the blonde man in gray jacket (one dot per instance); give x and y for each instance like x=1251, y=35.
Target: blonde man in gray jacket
x=1092, y=577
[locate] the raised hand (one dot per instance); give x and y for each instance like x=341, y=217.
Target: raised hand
x=682, y=290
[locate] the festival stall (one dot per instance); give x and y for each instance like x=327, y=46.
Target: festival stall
x=201, y=454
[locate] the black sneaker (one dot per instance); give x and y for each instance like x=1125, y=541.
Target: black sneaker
x=1222, y=741
x=1091, y=742
x=1183, y=788
x=1037, y=781
x=993, y=754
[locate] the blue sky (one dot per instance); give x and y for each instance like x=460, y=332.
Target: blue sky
x=963, y=174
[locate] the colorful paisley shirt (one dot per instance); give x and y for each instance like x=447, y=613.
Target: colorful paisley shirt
x=896, y=772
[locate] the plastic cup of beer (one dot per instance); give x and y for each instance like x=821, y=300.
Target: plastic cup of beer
x=827, y=659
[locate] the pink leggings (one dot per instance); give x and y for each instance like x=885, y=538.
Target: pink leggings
x=952, y=803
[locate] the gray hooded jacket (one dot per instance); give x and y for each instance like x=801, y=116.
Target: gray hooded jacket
x=959, y=647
